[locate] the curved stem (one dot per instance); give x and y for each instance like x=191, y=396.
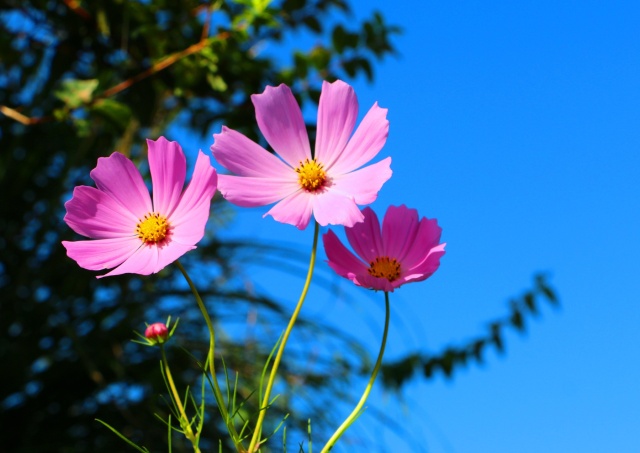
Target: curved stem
x=255, y=439
x=358, y=409
x=210, y=358
x=184, y=420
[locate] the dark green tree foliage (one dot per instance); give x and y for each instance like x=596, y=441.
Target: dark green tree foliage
x=80, y=79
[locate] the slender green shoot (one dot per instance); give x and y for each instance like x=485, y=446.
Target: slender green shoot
x=169, y=436
x=121, y=436
x=185, y=424
x=266, y=366
x=284, y=440
x=358, y=409
x=222, y=407
x=257, y=433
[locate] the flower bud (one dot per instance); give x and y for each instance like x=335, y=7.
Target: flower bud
x=157, y=332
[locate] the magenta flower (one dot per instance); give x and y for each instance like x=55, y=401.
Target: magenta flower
x=133, y=234
x=407, y=250
x=330, y=184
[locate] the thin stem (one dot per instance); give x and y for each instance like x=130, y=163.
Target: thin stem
x=161, y=65
x=158, y=66
x=74, y=6
x=255, y=439
x=357, y=411
x=184, y=420
x=19, y=117
x=210, y=359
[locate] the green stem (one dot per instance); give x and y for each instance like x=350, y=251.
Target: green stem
x=210, y=359
x=255, y=439
x=356, y=412
x=184, y=420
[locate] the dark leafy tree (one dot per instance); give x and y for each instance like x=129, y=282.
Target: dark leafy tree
x=79, y=79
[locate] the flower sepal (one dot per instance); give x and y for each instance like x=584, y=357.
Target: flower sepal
x=157, y=333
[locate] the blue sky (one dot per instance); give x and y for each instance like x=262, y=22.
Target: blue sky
x=516, y=125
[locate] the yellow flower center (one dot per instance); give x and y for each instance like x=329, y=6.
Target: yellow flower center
x=385, y=267
x=153, y=228
x=311, y=175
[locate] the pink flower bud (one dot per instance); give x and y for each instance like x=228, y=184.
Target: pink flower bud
x=157, y=332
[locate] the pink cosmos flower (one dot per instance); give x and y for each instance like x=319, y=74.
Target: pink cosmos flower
x=407, y=250
x=132, y=233
x=329, y=184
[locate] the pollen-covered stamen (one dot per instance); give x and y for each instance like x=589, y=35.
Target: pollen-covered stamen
x=311, y=175
x=384, y=267
x=153, y=228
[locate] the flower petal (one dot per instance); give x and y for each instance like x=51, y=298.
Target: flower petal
x=366, y=142
x=340, y=259
x=364, y=184
x=101, y=253
x=249, y=192
x=428, y=236
x=190, y=217
x=94, y=214
x=332, y=208
x=168, y=168
x=365, y=238
x=429, y=264
x=150, y=259
x=337, y=116
x=369, y=281
x=169, y=253
x=399, y=229
x=295, y=210
x=244, y=157
x=118, y=177
x=143, y=262
x=280, y=121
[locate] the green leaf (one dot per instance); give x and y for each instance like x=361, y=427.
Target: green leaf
x=261, y=6
x=313, y=23
x=114, y=111
x=545, y=290
x=496, y=337
x=217, y=83
x=320, y=58
x=302, y=65
x=478, y=347
x=83, y=127
x=357, y=64
x=517, y=320
x=342, y=39
x=428, y=369
x=530, y=303
x=447, y=362
x=350, y=67
x=75, y=93
x=339, y=38
x=549, y=294
x=121, y=436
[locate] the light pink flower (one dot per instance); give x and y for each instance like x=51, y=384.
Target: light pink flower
x=330, y=184
x=132, y=233
x=406, y=250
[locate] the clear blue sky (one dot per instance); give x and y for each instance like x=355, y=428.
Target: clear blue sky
x=517, y=125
